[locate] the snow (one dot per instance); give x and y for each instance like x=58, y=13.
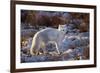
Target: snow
x=72, y=47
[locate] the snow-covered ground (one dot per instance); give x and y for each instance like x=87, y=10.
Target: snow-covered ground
x=75, y=46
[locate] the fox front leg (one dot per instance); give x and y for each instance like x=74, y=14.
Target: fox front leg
x=57, y=47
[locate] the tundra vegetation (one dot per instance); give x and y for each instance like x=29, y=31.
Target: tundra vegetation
x=75, y=45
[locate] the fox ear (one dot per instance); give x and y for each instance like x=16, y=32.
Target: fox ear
x=59, y=27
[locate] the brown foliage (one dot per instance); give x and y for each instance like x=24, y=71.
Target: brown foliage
x=86, y=53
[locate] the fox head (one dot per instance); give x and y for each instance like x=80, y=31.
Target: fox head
x=62, y=28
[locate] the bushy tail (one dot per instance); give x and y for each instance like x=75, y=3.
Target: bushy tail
x=35, y=45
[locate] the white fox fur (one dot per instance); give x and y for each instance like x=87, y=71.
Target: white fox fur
x=44, y=36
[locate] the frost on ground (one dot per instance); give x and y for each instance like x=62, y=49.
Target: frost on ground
x=75, y=46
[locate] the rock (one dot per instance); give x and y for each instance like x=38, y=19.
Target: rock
x=86, y=52
x=53, y=53
x=50, y=47
x=84, y=34
x=84, y=27
x=65, y=45
x=39, y=58
x=28, y=32
x=73, y=47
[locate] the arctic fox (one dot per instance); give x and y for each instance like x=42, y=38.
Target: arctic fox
x=44, y=36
